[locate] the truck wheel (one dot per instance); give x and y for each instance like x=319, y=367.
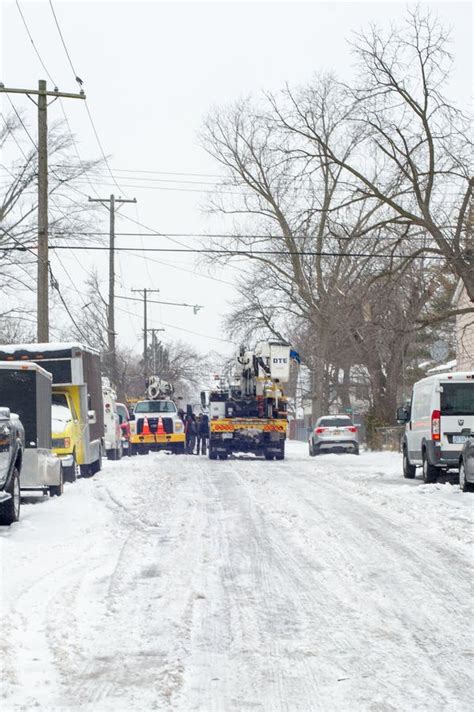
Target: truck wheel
x=111, y=454
x=280, y=455
x=430, y=473
x=133, y=449
x=311, y=449
x=70, y=474
x=409, y=471
x=10, y=511
x=57, y=490
x=223, y=456
x=212, y=454
x=268, y=456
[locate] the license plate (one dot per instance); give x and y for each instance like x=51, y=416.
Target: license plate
x=336, y=432
x=226, y=436
x=459, y=439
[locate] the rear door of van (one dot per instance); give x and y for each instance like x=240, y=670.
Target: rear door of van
x=457, y=413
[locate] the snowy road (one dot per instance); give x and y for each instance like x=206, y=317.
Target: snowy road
x=175, y=583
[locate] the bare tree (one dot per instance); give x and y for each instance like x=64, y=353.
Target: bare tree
x=414, y=151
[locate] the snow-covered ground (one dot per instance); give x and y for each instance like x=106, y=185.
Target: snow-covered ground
x=174, y=583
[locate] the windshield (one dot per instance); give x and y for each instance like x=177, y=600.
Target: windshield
x=155, y=407
x=59, y=399
x=60, y=417
x=457, y=399
x=335, y=422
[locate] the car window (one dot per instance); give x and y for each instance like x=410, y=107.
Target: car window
x=421, y=402
x=122, y=411
x=457, y=399
x=335, y=422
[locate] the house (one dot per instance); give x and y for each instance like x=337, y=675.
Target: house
x=464, y=330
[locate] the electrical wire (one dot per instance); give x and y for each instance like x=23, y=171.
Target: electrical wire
x=245, y=253
x=33, y=43
x=180, y=328
x=62, y=40
x=89, y=114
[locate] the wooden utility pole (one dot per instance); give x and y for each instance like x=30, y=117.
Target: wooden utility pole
x=145, y=293
x=111, y=310
x=154, y=344
x=43, y=253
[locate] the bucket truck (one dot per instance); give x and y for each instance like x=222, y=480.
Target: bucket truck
x=249, y=414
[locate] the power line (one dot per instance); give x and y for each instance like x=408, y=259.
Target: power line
x=60, y=101
x=170, y=304
x=170, y=173
x=180, y=328
x=64, y=43
x=80, y=82
x=33, y=43
x=246, y=253
x=235, y=236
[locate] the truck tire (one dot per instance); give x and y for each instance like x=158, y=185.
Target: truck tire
x=311, y=449
x=10, y=510
x=268, y=455
x=111, y=454
x=280, y=455
x=409, y=471
x=212, y=454
x=57, y=490
x=430, y=473
x=133, y=450
x=70, y=474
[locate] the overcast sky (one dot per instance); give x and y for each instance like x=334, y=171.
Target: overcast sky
x=152, y=71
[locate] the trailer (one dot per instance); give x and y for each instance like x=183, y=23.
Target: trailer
x=77, y=387
x=26, y=389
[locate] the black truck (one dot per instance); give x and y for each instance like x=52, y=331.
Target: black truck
x=12, y=441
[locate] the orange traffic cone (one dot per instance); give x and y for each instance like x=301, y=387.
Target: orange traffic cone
x=146, y=428
x=160, y=429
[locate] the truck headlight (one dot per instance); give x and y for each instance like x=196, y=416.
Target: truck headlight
x=178, y=426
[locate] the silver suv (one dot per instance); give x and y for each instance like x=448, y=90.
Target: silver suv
x=334, y=433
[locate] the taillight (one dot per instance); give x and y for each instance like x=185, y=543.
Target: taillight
x=320, y=430
x=352, y=429
x=436, y=425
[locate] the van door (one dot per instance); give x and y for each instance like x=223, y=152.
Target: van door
x=419, y=427
x=457, y=413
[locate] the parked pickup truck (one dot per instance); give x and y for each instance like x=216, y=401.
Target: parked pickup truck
x=12, y=442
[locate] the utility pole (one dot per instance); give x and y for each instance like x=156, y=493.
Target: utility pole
x=43, y=254
x=145, y=293
x=111, y=310
x=153, y=332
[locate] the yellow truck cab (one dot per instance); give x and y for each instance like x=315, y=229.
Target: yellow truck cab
x=77, y=417
x=156, y=425
x=66, y=433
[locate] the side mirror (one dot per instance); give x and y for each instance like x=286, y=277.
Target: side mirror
x=403, y=414
x=91, y=416
x=4, y=413
x=131, y=416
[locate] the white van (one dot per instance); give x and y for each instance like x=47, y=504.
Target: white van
x=438, y=423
